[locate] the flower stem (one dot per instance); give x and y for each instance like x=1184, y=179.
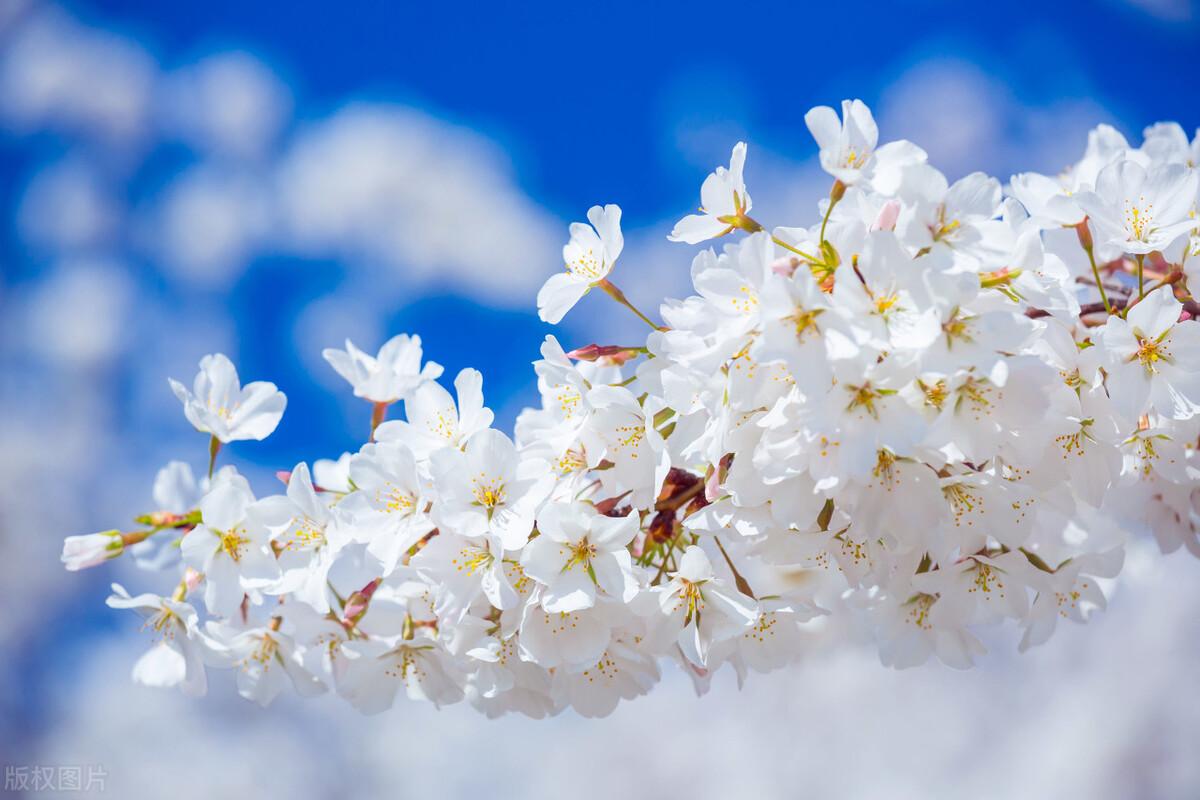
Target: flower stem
x=1085, y=241
x=214, y=447
x=797, y=251
x=616, y=294
x=835, y=194
x=378, y=415
x=1099, y=283
x=1141, y=257
x=742, y=584
x=1169, y=279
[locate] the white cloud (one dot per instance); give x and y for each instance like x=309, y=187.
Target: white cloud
x=352, y=313
x=967, y=121
x=57, y=74
x=67, y=206
x=408, y=199
x=209, y=223
x=1165, y=10
x=427, y=201
x=228, y=104
x=78, y=316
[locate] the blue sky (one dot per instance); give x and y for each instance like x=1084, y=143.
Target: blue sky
x=527, y=113
x=586, y=96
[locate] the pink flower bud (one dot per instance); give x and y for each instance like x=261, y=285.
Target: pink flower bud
x=356, y=604
x=590, y=352
x=607, y=353
x=785, y=266
x=886, y=221
x=192, y=579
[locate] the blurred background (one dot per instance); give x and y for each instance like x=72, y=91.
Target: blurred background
x=269, y=179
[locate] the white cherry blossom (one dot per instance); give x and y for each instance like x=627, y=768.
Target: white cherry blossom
x=218, y=404
x=579, y=552
x=435, y=420
x=392, y=374
x=589, y=256
x=231, y=546
x=489, y=488
x=1153, y=359
x=177, y=657
x=723, y=203
x=930, y=410
x=1136, y=210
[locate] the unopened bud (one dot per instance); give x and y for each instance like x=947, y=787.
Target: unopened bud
x=716, y=477
x=356, y=604
x=1084, y=233
x=886, y=219
x=192, y=578
x=608, y=353
x=608, y=505
x=837, y=192
x=785, y=266
x=588, y=353
x=82, y=552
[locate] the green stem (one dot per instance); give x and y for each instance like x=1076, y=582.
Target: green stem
x=1099, y=282
x=1141, y=257
x=835, y=194
x=742, y=584
x=616, y=294
x=214, y=447
x=797, y=251
x=662, y=568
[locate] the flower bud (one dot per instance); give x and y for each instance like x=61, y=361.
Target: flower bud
x=886, y=220
x=82, y=552
x=356, y=603
x=1084, y=233
x=608, y=353
x=837, y=191
x=785, y=266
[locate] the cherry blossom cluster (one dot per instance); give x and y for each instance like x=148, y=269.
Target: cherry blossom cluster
x=941, y=407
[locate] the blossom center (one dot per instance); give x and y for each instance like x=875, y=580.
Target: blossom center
x=1139, y=218
x=581, y=553
x=234, y=543
x=805, y=321
x=472, y=559
x=488, y=492
x=586, y=265
x=1150, y=352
